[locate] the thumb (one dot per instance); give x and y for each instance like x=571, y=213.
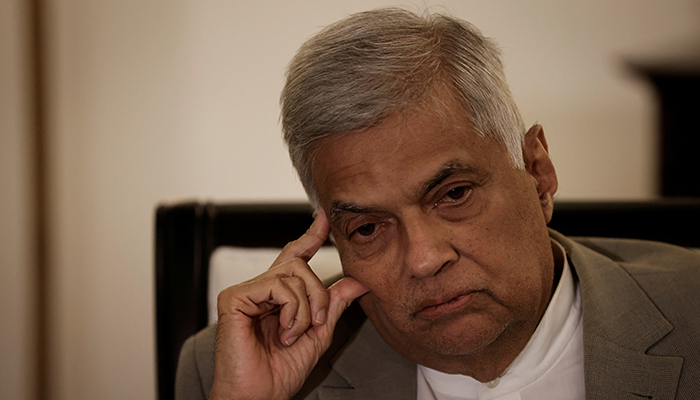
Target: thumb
x=341, y=294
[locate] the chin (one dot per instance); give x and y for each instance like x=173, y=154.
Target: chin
x=460, y=341
x=464, y=336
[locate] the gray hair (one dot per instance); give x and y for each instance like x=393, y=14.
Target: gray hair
x=357, y=72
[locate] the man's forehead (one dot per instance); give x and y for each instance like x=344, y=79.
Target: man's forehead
x=409, y=153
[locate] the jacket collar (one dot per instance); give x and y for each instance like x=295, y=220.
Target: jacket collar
x=620, y=323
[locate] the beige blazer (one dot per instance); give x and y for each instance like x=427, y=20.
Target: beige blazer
x=641, y=333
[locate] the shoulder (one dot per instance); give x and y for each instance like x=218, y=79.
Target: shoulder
x=637, y=257
x=195, y=367
x=652, y=264
x=666, y=274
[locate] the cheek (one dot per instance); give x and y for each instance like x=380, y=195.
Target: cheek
x=370, y=263
x=384, y=302
x=528, y=272
x=508, y=244
x=387, y=312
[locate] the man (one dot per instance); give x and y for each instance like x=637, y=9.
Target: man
x=407, y=140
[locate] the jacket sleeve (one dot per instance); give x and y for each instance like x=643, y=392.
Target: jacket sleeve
x=195, y=367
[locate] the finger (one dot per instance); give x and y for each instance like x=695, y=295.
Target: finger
x=258, y=297
x=308, y=244
x=304, y=249
x=297, y=320
x=315, y=290
x=318, y=301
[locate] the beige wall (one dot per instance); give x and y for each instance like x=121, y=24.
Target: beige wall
x=154, y=100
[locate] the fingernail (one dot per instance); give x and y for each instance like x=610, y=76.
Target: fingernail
x=321, y=317
x=291, y=340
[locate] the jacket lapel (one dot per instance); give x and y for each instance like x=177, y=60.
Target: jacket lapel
x=372, y=370
x=620, y=323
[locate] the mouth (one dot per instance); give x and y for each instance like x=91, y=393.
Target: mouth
x=436, y=309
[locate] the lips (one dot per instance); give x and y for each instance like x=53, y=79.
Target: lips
x=438, y=308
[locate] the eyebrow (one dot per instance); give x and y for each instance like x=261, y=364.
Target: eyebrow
x=448, y=169
x=341, y=207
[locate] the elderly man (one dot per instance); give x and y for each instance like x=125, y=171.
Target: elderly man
x=407, y=140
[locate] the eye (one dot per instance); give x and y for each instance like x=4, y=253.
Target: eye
x=366, y=230
x=456, y=194
x=453, y=196
x=457, y=201
x=365, y=233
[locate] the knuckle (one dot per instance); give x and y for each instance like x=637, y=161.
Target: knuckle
x=304, y=320
x=224, y=298
x=303, y=315
x=296, y=282
x=319, y=295
x=279, y=281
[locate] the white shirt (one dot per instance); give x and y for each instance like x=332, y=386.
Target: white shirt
x=549, y=367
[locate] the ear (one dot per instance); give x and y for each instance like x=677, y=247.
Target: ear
x=539, y=165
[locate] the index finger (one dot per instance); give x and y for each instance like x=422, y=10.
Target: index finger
x=308, y=244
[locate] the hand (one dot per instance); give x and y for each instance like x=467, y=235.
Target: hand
x=274, y=328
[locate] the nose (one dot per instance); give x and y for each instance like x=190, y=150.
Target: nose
x=428, y=246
